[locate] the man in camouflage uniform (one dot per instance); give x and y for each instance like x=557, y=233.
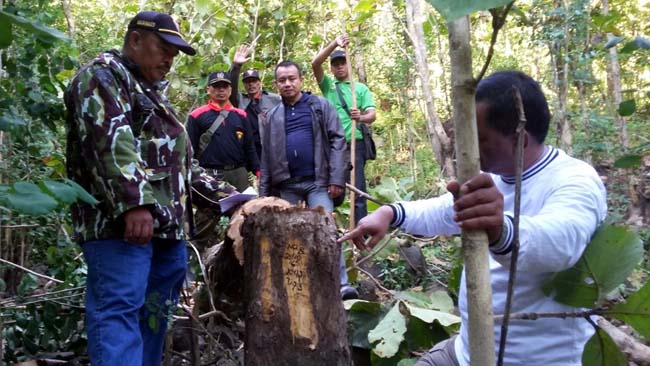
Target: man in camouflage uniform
x=128, y=148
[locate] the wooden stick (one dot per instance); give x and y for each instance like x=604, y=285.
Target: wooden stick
x=353, y=140
x=519, y=168
x=364, y=194
x=30, y=271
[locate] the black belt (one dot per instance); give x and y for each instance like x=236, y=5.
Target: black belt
x=298, y=179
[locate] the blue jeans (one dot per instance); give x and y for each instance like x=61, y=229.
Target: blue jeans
x=130, y=290
x=313, y=196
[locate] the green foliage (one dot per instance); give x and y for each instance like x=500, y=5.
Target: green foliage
x=453, y=9
x=595, y=275
x=44, y=33
x=627, y=108
x=31, y=199
x=394, y=330
x=635, y=311
x=628, y=161
x=389, y=332
x=601, y=350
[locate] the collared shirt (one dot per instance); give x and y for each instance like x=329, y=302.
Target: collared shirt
x=231, y=144
x=562, y=203
x=364, y=101
x=300, y=138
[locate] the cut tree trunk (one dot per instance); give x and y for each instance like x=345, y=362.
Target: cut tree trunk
x=294, y=314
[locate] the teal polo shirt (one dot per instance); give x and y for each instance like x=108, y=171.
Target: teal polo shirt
x=364, y=100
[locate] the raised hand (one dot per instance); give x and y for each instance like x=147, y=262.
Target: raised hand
x=343, y=40
x=241, y=55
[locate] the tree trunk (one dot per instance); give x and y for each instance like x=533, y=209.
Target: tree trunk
x=69, y=18
x=559, y=53
x=474, y=243
x=359, y=65
x=294, y=314
x=441, y=143
x=614, y=85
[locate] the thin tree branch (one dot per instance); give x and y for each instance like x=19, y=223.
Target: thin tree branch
x=376, y=250
x=519, y=167
x=498, y=20
x=364, y=194
x=205, y=275
x=376, y=281
x=30, y=271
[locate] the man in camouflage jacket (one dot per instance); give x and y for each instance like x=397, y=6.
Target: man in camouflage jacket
x=128, y=148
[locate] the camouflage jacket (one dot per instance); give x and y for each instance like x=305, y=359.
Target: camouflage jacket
x=127, y=147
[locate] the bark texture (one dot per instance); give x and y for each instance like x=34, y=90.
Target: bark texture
x=294, y=314
x=475, y=243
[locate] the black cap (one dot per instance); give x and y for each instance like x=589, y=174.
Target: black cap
x=250, y=73
x=164, y=26
x=218, y=77
x=337, y=54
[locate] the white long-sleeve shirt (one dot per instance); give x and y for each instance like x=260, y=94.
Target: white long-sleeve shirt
x=562, y=203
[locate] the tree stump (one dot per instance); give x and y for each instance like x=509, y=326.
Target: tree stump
x=294, y=313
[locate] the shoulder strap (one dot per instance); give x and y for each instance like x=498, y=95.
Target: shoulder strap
x=343, y=103
x=206, y=136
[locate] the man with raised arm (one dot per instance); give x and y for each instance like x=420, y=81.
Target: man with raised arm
x=563, y=201
x=255, y=101
x=337, y=90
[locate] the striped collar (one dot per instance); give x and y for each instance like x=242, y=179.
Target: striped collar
x=549, y=155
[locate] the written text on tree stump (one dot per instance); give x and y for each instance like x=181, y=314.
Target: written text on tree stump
x=294, y=314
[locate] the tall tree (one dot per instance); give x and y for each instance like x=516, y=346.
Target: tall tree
x=442, y=145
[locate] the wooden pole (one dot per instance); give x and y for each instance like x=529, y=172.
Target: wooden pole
x=353, y=141
x=474, y=243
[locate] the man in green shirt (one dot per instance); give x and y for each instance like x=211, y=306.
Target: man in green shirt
x=337, y=91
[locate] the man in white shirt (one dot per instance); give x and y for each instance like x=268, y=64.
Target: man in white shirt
x=562, y=203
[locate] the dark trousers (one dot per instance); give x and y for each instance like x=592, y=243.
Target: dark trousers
x=237, y=177
x=360, y=207
x=442, y=354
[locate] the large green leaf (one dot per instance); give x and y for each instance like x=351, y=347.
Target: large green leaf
x=27, y=198
x=389, y=333
x=60, y=191
x=81, y=192
x=429, y=316
x=363, y=316
x=6, y=36
x=596, y=274
x=635, y=311
x=35, y=28
x=601, y=350
x=628, y=161
x=627, y=108
x=454, y=9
